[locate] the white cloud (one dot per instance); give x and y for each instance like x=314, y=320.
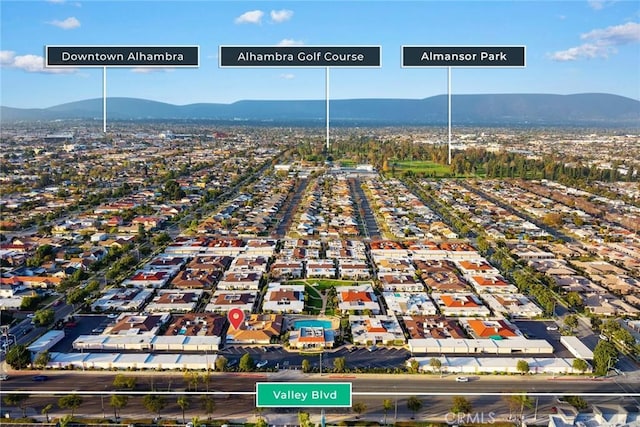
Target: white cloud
x=250, y=17
x=586, y=50
x=7, y=57
x=601, y=42
x=68, y=24
x=288, y=76
x=290, y=42
x=29, y=63
x=279, y=16
x=616, y=35
x=596, y=4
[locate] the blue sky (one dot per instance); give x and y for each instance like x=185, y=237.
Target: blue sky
x=572, y=47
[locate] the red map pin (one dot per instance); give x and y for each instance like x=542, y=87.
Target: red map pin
x=236, y=317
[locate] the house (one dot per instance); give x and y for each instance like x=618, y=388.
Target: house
x=240, y=280
x=359, y=298
x=491, y=284
x=516, y=306
x=148, y=222
x=148, y=279
x=135, y=324
x=287, y=269
x=412, y=303
x=172, y=300
x=376, y=329
x=439, y=327
x=321, y=268
x=122, y=299
x=400, y=282
x=223, y=300
x=284, y=298
x=311, y=338
x=485, y=328
x=459, y=304
x=197, y=324
x=354, y=269
x=256, y=329
x=195, y=279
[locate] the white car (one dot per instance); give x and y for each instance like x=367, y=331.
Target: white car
x=262, y=363
x=552, y=328
x=462, y=379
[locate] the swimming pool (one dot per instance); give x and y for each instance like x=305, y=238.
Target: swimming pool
x=312, y=323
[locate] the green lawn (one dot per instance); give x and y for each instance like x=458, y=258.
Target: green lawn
x=420, y=166
x=326, y=283
x=314, y=300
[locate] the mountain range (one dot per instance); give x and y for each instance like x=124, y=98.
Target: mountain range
x=595, y=109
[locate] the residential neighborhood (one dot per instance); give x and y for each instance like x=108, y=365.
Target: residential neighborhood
x=148, y=257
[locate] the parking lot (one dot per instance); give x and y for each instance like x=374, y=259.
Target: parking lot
x=84, y=324
x=535, y=329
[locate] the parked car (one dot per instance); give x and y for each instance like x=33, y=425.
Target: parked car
x=552, y=328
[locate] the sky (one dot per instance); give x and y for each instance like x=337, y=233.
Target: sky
x=571, y=47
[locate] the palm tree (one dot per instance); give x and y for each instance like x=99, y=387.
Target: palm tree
x=387, y=405
x=118, y=401
x=183, y=403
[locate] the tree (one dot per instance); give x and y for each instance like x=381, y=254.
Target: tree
x=44, y=317
x=519, y=401
x=435, y=363
x=461, y=405
x=304, y=419
x=306, y=365
x=221, y=363
x=522, y=366
x=260, y=422
x=576, y=401
x=246, y=363
x=117, y=402
x=414, y=366
x=605, y=356
x=18, y=400
x=183, y=403
x=574, y=299
x=124, y=382
x=387, y=405
x=154, y=403
x=191, y=378
x=19, y=357
x=70, y=401
x=414, y=404
x=45, y=411
x=571, y=321
x=207, y=404
x=42, y=359
x=580, y=365
x=340, y=364
x=359, y=408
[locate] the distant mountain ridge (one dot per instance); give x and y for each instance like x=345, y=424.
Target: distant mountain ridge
x=495, y=109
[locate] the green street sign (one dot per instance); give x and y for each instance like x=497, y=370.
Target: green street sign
x=296, y=395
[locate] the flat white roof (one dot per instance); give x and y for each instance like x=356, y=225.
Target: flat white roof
x=576, y=347
x=46, y=341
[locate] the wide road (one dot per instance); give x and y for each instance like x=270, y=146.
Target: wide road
x=234, y=393
x=99, y=381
